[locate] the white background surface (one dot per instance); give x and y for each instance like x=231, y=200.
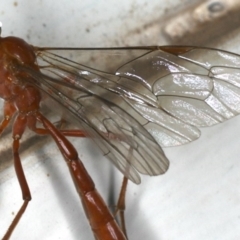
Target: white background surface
x=198, y=198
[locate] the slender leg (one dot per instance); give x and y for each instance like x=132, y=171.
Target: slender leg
x=18, y=129
x=120, y=208
x=73, y=133
x=31, y=122
x=66, y=133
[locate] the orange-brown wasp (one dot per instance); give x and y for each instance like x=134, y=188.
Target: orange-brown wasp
x=130, y=101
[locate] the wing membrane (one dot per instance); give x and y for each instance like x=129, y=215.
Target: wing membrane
x=133, y=101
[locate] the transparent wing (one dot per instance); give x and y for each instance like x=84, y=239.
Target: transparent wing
x=132, y=101
x=197, y=86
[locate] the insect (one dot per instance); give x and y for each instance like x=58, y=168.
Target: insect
x=130, y=101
